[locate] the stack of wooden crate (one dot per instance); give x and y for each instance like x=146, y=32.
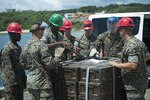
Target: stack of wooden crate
x=100, y=84
x=69, y=81
x=65, y=82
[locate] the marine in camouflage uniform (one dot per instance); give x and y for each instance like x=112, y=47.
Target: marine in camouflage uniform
x=111, y=43
x=87, y=39
x=52, y=37
x=85, y=43
x=13, y=75
x=37, y=59
x=69, y=39
x=68, y=53
x=136, y=81
x=133, y=66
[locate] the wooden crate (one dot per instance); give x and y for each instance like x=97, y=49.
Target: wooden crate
x=96, y=90
x=69, y=72
x=99, y=74
x=98, y=98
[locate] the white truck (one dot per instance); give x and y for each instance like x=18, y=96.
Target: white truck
x=141, y=30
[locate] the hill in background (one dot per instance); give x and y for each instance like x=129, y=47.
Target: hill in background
x=27, y=18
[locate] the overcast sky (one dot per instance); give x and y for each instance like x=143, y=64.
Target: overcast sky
x=59, y=4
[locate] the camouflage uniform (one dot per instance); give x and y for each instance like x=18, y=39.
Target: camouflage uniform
x=12, y=74
x=52, y=38
x=68, y=51
x=112, y=44
x=37, y=59
x=135, y=81
x=85, y=44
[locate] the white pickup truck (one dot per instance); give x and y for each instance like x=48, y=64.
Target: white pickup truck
x=141, y=30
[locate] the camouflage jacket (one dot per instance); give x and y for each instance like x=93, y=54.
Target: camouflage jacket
x=36, y=58
x=67, y=55
x=12, y=72
x=111, y=44
x=85, y=44
x=52, y=38
x=135, y=50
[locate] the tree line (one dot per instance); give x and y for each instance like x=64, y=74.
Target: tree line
x=27, y=18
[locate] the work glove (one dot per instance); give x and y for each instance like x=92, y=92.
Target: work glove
x=59, y=51
x=94, y=52
x=76, y=43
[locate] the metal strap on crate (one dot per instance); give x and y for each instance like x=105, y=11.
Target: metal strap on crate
x=114, y=83
x=87, y=81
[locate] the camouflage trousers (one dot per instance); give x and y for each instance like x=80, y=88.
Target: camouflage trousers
x=135, y=94
x=14, y=93
x=41, y=94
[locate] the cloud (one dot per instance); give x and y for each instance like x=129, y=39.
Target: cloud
x=59, y=4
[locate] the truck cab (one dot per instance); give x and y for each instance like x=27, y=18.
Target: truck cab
x=141, y=29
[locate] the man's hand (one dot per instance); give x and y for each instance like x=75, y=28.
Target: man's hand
x=112, y=63
x=76, y=49
x=65, y=44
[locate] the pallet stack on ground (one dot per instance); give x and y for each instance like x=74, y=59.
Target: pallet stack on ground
x=100, y=82
x=69, y=81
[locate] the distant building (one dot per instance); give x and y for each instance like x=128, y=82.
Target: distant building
x=76, y=16
x=69, y=15
x=10, y=10
x=29, y=10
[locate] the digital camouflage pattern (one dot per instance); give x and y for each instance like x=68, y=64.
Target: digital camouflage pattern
x=42, y=94
x=52, y=38
x=68, y=53
x=12, y=73
x=37, y=59
x=85, y=44
x=136, y=80
x=112, y=44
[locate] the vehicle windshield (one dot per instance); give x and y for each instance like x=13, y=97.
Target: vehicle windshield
x=100, y=25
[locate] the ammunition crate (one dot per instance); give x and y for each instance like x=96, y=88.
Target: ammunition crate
x=98, y=74
x=96, y=90
x=60, y=96
x=69, y=72
x=69, y=97
x=69, y=81
x=98, y=98
x=68, y=88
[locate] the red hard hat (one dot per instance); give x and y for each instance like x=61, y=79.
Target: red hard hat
x=14, y=28
x=87, y=24
x=125, y=22
x=67, y=24
x=62, y=28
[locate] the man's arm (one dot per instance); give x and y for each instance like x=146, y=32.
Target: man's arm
x=128, y=66
x=47, y=59
x=52, y=45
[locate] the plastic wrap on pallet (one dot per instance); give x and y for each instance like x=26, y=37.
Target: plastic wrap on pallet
x=71, y=76
x=69, y=72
